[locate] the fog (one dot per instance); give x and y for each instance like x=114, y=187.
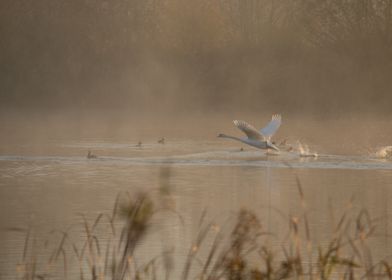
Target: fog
x=88, y=88
x=107, y=64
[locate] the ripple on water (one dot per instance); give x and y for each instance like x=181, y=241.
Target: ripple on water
x=212, y=158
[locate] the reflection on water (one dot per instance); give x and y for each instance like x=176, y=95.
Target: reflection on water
x=49, y=192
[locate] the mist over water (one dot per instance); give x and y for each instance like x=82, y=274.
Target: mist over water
x=134, y=70
x=302, y=57
x=115, y=77
x=346, y=135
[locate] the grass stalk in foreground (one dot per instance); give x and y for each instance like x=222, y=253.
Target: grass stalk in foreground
x=240, y=251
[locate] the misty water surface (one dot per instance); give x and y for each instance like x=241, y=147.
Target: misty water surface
x=47, y=183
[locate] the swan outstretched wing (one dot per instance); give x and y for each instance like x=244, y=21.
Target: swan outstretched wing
x=269, y=130
x=249, y=130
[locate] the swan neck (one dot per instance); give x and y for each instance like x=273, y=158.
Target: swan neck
x=232, y=137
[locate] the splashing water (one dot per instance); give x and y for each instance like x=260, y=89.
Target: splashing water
x=384, y=152
x=304, y=150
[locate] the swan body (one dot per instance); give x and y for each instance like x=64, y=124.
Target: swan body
x=251, y=142
x=258, y=139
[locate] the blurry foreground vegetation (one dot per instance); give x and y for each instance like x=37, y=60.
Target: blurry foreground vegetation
x=241, y=249
x=317, y=55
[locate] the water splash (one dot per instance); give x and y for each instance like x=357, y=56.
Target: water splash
x=384, y=152
x=304, y=150
x=284, y=145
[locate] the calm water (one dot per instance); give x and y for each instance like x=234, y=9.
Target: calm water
x=48, y=190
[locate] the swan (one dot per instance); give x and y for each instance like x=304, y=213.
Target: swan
x=259, y=139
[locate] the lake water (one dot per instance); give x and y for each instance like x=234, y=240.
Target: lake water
x=47, y=189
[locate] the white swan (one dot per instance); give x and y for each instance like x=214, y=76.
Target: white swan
x=259, y=139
